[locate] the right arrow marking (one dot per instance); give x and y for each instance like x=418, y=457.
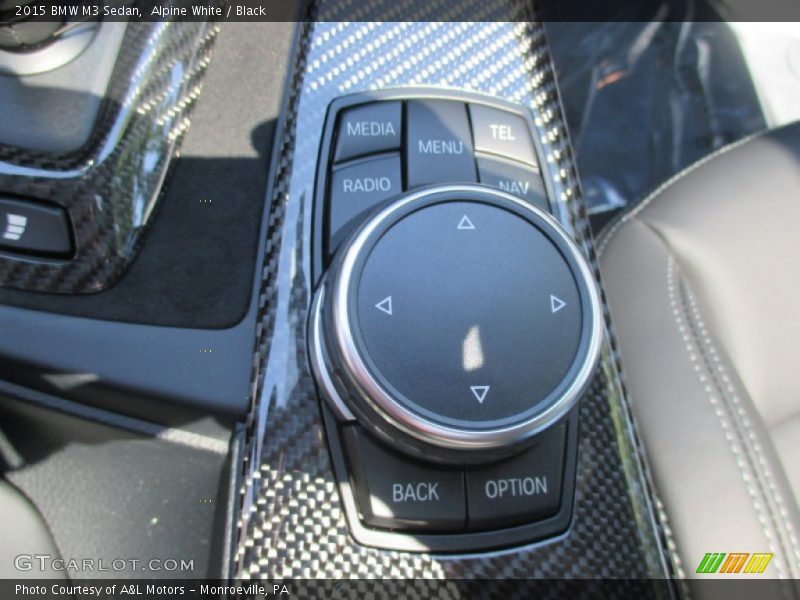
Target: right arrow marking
x=385, y=305
x=556, y=303
x=480, y=392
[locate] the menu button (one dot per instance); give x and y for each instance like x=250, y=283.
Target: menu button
x=441, y=147
x=438, y=143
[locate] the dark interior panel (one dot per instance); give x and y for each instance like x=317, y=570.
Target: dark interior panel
x=111, y=493
x=196, y=266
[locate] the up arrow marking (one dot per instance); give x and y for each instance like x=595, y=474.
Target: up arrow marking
x=480, y=392
x=385, y=305
x=465, y=223
x=556, y=304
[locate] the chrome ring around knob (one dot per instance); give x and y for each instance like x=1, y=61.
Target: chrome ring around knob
x=352, y=385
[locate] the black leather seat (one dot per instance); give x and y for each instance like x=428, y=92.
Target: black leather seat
x=703, y=284
x=24, y=535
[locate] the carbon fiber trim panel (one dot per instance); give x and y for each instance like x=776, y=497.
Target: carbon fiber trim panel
x=111, y=186
x=292, y=523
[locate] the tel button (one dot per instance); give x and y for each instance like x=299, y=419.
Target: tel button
x=521, y=489
x=368, y=129
x=502, y=133
x=358, y=187
x=396, y=492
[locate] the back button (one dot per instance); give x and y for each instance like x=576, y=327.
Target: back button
x=396, y=492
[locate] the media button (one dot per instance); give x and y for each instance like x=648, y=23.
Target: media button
x=369, y=129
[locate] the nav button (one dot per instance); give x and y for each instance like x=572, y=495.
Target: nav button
x=514, y=179
x=396, y=492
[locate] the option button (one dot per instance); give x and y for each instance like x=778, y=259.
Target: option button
x=521, y=489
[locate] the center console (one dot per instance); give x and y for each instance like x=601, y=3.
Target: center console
x=403, y=371
x=456, y=326
x=438, y=395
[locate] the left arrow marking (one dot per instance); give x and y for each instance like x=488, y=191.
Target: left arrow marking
x=385, y=305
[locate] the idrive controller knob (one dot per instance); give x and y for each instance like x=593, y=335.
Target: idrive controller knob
x=457, y=322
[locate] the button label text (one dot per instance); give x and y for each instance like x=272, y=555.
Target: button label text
x=370, y=128
x=367, y=184
x=425, y=491
x=525, y=486
x=441, y=147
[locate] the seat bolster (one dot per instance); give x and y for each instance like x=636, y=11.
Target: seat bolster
x=23, y=536
x=786, y=436
x=713, y=462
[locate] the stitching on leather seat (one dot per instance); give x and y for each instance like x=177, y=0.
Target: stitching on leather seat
x=605, y=236
x=747, y=425
x=684, y=332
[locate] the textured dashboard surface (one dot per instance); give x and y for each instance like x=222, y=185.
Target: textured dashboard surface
x=111, y=186
x=292, y=523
